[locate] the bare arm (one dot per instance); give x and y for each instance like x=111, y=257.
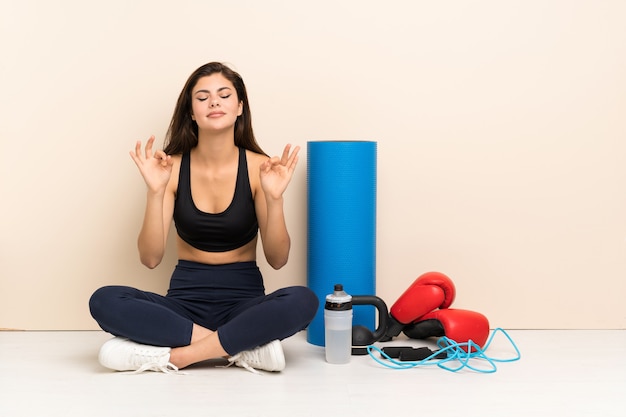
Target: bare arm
x=275, y=175
x=156, y=170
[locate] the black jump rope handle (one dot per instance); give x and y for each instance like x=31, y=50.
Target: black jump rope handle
x=408, y=353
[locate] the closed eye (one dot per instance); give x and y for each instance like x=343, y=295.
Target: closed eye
x=206, y=98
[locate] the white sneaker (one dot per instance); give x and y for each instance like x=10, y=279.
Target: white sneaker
x=121, y=354
x=269, y=357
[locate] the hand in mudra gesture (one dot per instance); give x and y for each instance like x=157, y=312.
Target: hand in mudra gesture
x=276, y=172
x=155, y=167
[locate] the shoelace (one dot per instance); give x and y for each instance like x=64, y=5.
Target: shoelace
x=168, y=368
x=151, y=362
x=236, y=360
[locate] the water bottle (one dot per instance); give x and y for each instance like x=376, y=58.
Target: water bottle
x=338, y=326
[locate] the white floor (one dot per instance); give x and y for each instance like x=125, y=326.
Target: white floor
x=566, y=373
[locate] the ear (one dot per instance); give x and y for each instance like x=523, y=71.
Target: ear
x=240, y=110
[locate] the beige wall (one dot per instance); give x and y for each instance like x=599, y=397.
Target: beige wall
x=500, y=127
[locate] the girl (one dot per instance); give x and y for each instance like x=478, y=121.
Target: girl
x=222, y=191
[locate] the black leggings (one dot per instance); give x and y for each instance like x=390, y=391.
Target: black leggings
x=227, y=298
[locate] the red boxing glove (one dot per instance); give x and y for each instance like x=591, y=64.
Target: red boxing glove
x=428, y=292
x=458, y=325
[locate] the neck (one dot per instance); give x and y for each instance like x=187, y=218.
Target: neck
x=215, y=147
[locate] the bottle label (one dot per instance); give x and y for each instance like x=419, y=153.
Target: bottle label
x=338, y=306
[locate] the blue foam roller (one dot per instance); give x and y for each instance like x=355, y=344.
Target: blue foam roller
x=341, y=225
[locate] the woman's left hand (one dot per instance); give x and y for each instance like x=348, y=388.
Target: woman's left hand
x=276, y=172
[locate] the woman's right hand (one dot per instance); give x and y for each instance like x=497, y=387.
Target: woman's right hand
x=155, y=167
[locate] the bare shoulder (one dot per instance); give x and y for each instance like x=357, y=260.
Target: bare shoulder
x=254, y=161
x=172, y=186
x=176, y=159
x=256, y=157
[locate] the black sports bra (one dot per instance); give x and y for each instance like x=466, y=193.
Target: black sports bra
x=219, y=232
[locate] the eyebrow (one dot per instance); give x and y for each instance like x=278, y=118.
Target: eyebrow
x=208, y=92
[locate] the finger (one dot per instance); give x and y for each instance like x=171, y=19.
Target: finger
x=149, y=147
x=273, y=161
x=159, y=154
x=166, y=161
x=285, y=157
x=293, y=160
x=138, y=148
x=162, y=157
x=135, y=157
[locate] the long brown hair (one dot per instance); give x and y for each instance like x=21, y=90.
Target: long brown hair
x=182, y=134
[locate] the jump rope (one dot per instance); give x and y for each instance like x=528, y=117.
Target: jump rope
x=451, y=356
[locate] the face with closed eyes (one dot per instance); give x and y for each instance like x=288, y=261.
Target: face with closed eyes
x=214, y=103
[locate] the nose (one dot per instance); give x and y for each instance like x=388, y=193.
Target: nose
x=214, y=103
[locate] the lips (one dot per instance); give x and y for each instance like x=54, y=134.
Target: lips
x=216, y=114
